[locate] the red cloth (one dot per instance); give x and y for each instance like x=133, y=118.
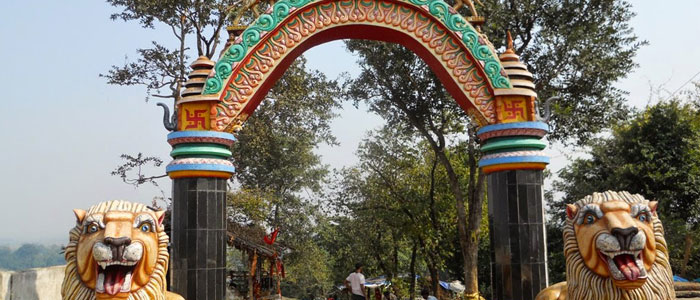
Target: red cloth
x=270, y=239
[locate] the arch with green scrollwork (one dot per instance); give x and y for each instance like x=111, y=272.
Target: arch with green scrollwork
x=460, y=56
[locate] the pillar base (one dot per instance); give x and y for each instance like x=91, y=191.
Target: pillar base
x=517, y=232
x=199, y=237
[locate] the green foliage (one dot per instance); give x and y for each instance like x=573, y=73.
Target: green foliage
x=278, y=177
x=309, y=272
x=31, y=256
x=135, y=164
x=156, y=68
x=575, y=49
x=161, y=69
x=655, y=154
x=203, y=18
x=398, y=197
x=274, y=151
x=249, y=205
x=403, y=90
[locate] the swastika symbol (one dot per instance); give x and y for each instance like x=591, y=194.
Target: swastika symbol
x=512, y=109
x=195, y=119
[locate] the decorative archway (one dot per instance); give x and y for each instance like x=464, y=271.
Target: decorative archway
x=463, y=59
x=495, y=91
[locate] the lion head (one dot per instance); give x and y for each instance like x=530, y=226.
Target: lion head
x=615, y=249
x=117, y=250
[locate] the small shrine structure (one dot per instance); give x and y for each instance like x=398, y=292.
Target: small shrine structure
x=261, y=269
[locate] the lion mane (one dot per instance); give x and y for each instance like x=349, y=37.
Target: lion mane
x=74, y=289
x=584, y=284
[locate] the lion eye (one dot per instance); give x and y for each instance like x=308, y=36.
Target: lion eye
x=145, y=227
x=92, y=228
x=590, y=219
x=643, y=218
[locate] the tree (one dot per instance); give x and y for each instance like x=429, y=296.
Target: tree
x=575, y=49
x=400, y=208
x=398, y=86
x=274, y=153
x=656, y=154
x=279, y=177
x=160, y=69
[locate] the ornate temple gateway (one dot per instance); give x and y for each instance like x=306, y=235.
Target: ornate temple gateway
x=495, y=91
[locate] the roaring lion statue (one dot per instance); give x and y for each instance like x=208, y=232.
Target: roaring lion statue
x=615, y=249
x=117, y=250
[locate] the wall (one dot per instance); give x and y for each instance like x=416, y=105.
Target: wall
x=32, y=284
x=5, y=285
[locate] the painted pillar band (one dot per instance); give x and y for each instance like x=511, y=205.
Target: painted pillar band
x=200, y=154
x=513, y=146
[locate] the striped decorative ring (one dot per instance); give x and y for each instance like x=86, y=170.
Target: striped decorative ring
x=200, y=154
x=513, y=143
x=535, y=129
x=533, y=132
x=514, y=157
x=514, y=166
x=209, y=137
x=200, y=164
x=195, y=173
x=201, y=150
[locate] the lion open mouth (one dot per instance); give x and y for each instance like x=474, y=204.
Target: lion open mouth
x=114, y=277
x=625, y=265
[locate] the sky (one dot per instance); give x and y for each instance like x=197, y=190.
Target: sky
x=64, y=128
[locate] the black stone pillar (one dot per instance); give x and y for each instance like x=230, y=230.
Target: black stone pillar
x=518, y=245
x=198, y=260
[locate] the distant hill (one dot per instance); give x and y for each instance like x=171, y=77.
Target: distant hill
x=30, y=256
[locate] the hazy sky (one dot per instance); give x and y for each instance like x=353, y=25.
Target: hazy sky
x=64, y=128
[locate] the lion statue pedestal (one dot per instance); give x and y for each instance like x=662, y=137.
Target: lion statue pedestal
x=615, y=250
x=117, y=250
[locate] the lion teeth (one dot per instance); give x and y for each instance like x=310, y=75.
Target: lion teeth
x=612, y=254
x=105, y=264
x=642, y=269
x=100, y=286
x=126, y=287
x=617, y=274
x=614, y=271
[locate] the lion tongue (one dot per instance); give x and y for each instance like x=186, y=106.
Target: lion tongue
x=627, y=266
x=114, y=280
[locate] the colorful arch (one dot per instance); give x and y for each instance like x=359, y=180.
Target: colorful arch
x=463, y=58
x=496, y=92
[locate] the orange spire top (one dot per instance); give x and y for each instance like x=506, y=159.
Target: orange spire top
x=509, y=42
x=509, y=54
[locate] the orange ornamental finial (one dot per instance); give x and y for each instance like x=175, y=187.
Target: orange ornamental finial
x=509, y=42
x=509, y=54
x=510, y=50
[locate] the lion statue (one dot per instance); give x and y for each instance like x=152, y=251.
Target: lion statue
x=117, y=250
x=615, y=249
